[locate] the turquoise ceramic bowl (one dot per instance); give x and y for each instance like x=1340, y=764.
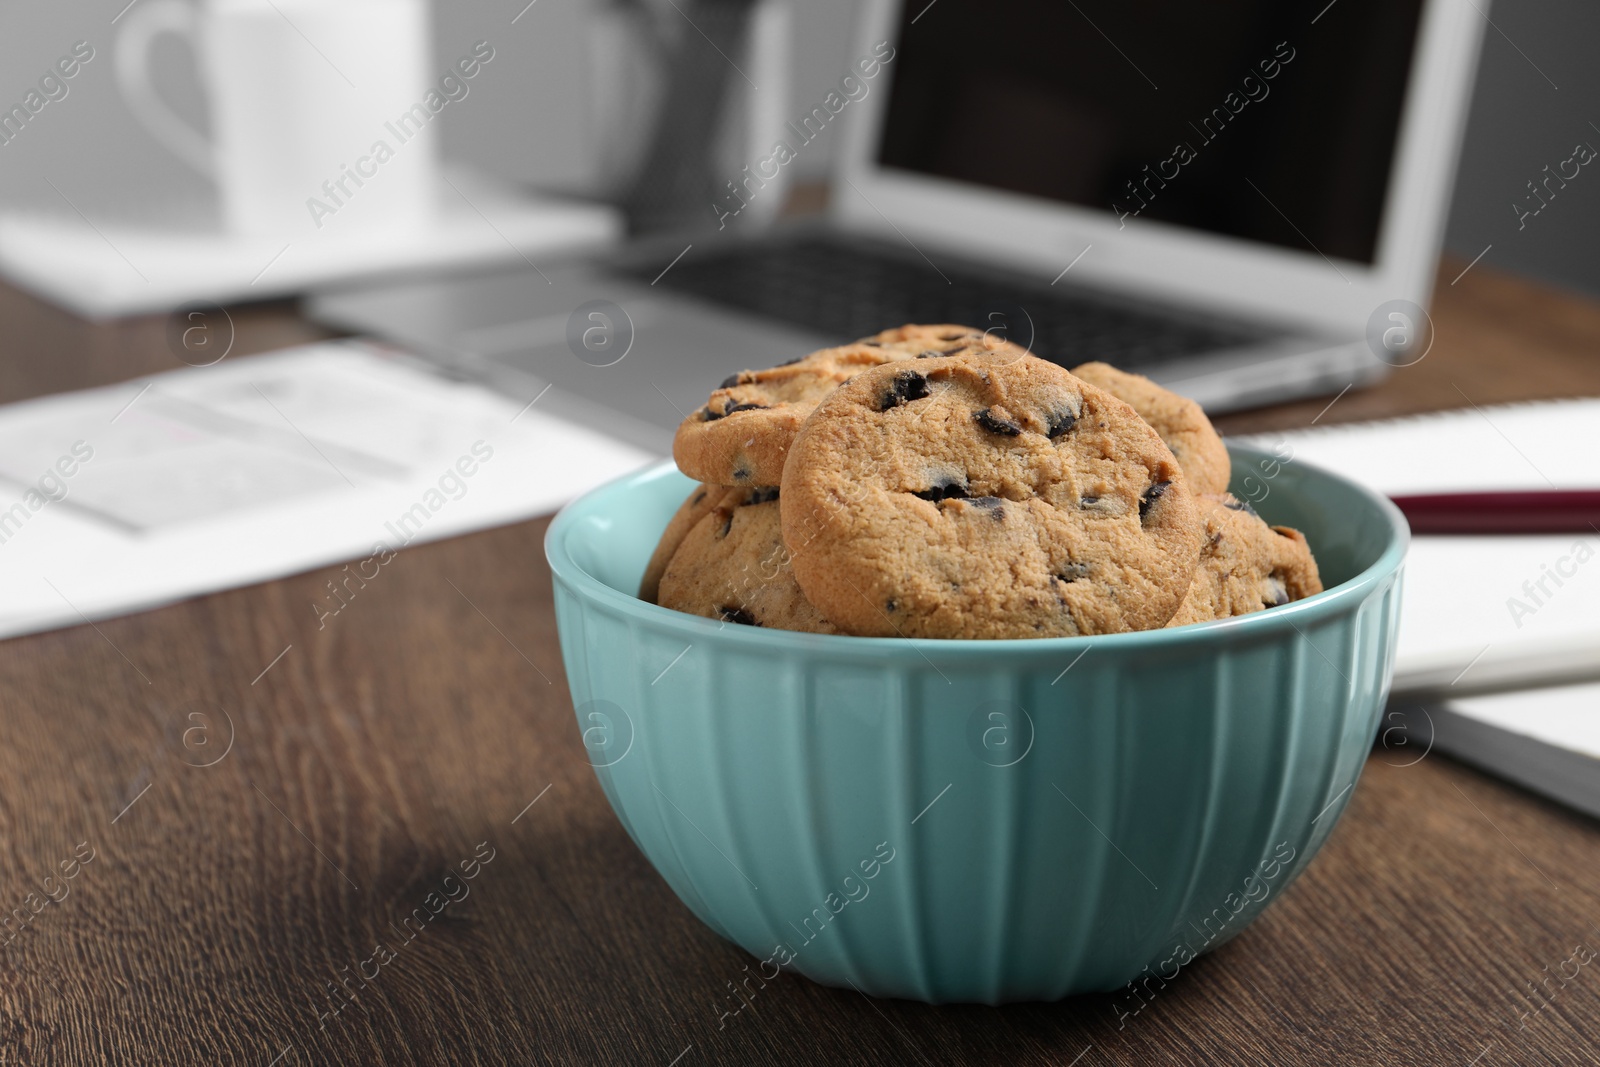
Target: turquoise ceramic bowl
x=980, y=820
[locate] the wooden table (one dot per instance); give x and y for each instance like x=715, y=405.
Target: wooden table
x=224, y=904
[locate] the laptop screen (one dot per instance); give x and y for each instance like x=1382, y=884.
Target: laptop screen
x=1254, y=119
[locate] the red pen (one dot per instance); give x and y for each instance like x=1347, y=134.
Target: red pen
x=1513, y=512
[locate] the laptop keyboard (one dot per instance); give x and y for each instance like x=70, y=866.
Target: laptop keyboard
x=852, y=290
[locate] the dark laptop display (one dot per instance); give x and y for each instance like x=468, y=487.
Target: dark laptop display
x=1255, y=119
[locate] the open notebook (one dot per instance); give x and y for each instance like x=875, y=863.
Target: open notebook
x=1482, y=612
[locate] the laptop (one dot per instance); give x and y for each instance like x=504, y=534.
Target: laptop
x=1232, y=200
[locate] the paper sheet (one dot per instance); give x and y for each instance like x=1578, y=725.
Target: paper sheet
x=120, y=498
x=1564, y=716
x=1482, y=610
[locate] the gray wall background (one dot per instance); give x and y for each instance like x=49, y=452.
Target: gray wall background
x=529, y=118
x=1537, y=94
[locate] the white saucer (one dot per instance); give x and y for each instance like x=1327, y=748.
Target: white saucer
x=101, y=269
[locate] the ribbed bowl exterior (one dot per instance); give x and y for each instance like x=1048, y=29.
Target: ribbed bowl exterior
x=980, y=821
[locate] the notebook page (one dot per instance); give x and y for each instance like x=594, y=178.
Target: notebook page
x=1500, y=608
x=1505, y=446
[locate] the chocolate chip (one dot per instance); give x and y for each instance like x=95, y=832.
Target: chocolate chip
x=1151, y=495
x=1060, y=422
x=1234, y=504
x=1072, y=572
x=888, y=605
x=1280, y=592
x=764, y=495
x=701, y=495
x=995, y=424
x=869, y=344
x=930, y=353
x=956, y=336
x=907, y=386
x=729, y=382
x=791, y=362
x=707, y=415
x=738, y=615
x=741, y=474
x=1088, y=501
x=992, y=504
x=727, y=524
x=945, y=491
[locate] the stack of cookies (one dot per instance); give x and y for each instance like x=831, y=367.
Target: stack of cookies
x=934, y=481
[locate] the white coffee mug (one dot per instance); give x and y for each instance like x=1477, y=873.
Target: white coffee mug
x=315, y=110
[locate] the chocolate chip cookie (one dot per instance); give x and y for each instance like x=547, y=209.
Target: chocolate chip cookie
x=694, y=507
x=982, y=495
x=742, y=434
x=1179, y=420
x=914, y=341
x=1245, y=565
x=732, y=566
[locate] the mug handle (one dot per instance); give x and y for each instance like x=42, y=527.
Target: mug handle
x=132, y=54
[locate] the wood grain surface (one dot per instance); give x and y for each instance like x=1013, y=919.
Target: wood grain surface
x=264, y=803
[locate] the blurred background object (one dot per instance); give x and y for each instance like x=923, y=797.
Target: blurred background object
x=966, y=192
x=674, y=125
x=536, y=121
x=279, y=112
x=244, y=149
x=1536, y=83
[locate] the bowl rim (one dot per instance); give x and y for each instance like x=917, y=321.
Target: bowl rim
x=566, y=570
